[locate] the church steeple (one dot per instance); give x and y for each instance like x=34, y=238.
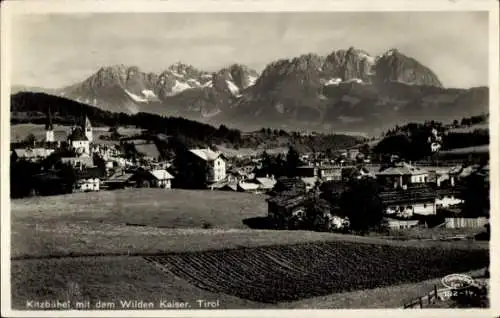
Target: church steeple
x=48, y=123
x=87, y=128
x=49, y=129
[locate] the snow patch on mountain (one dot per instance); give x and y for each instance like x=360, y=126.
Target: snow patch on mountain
x=193, y=82
x=252, y=80
x=135, y=97
x=232, y=87
x=149, y=93
x=333, y=81
x=179, y=87
x=355, y=80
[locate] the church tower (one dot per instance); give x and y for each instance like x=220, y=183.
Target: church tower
x=49, y=129
x=88, y=129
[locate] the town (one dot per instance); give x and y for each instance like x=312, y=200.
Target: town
x=314, y=191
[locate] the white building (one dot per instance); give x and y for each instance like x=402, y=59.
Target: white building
x=214, y=162
x=88, y=179
x=163, y=179
x=49, y=128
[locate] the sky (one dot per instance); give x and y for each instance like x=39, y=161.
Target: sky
x=55, y=50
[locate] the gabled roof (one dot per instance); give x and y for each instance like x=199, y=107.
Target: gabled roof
x=290, y=183
x=85, y=161
x=32, y=152
x=288, y=201
x=401, y=169
x=88, y=173
x=248, y=186
x=78, y=135
x=122, y=177
x=161, y=174
x=266, y=183
x=205, y=154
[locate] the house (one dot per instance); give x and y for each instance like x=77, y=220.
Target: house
x=283, y=207
x=213, y=162
x=401, y=175
x=266, y=184
x=310, y=182
x=78, y=161
x=31, y=154
x=351, y=173
x=306, y=171
x=244, y=186
x=289, y=184
x=415, y=200
x=119, y=181
x=448, y=197
x=88, y=179
x=330, y=172
x=153, y=178
x=352, y=154
x=163, y=178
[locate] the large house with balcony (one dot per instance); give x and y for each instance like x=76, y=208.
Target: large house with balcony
x=401, y=175
x=405, y=203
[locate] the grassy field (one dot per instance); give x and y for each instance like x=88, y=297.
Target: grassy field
x=467, y=150
x=88, y=239
x=155, y=207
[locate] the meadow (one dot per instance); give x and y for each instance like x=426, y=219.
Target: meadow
x=154, y=243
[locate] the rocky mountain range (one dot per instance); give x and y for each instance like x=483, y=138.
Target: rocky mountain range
x=347, y=90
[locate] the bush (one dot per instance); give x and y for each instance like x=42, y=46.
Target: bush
x=206, y=225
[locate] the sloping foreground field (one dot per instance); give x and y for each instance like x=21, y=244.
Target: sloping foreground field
x=272, y=276
x=275, y=274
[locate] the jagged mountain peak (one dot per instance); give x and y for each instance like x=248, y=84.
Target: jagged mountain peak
x=394, y=66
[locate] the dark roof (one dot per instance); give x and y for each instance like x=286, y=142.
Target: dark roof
x=47, y=176
x=408, y=196
x=77, y=134
x=290, y=183
x=87, y=173
x=287, y=200
x=448, y=191
x=120, y=177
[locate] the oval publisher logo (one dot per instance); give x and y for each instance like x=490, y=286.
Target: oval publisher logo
x=457, y=281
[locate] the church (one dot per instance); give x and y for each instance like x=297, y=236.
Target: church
x=81, y=137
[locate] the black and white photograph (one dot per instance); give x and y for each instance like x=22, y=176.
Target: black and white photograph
x=204, y=160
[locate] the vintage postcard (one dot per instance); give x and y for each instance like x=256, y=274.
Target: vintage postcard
x=249, y=158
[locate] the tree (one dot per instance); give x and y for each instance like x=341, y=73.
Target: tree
x=316, y=216
x=292, y=161
x=476, y=195
x=360, y=203
x=30, y=140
